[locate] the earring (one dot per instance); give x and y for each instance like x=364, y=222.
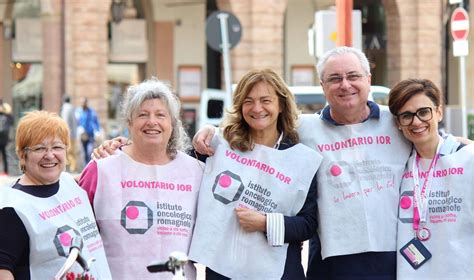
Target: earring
x=399, y=128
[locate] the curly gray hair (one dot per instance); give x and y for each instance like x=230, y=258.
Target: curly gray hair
x=155, y=89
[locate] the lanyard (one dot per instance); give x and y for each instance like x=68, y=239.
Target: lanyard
x=420, y=201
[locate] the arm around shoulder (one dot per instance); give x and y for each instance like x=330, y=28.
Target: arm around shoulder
x=202, y=140
x=88, y=180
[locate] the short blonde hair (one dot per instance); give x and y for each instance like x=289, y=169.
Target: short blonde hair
x=35, y=126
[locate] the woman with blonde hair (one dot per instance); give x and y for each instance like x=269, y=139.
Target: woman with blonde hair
x=257, y=202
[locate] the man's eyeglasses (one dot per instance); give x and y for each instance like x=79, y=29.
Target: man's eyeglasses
x=423, y=114
x=353, y=77
x=41, y=149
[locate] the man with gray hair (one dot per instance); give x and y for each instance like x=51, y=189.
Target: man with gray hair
x=358, y=182
x=364, y=156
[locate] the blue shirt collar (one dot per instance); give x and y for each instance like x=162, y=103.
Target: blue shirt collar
x=374, y=113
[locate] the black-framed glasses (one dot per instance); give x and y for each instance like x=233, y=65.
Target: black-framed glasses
x=424, y=114
x=337, y=79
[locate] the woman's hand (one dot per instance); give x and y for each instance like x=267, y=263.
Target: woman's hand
x=202, y=140
x=108, y=147
x=6, y=275
x=251, y=220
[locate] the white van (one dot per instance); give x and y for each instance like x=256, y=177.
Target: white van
x=310, y=99
x=211, y=107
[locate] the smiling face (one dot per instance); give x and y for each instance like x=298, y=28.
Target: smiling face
x=44, y=162
x=352, y=91
x=261, y=108
x=421, y=133
x=151, y=124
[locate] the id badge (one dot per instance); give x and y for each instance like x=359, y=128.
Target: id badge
x=415, y=253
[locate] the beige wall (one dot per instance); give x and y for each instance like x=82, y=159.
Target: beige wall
x=189, y=35
x=274, y=35
x=299, y=18
x=87, y=53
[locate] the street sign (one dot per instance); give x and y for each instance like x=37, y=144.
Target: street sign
x=459, y=24
x=459, y=31
x=213, y=30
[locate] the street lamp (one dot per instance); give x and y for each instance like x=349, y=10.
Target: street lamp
x=117, y=9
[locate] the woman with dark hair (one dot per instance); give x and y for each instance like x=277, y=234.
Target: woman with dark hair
x=436, y=211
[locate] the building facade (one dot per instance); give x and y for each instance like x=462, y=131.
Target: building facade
x=80, y=48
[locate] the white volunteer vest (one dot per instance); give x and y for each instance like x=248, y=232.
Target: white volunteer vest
x=265, y=179
x=52, y=222
x=145, y=212
x=358, y=182
x=450, y=219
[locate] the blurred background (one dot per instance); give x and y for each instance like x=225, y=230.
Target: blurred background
x=95, y=49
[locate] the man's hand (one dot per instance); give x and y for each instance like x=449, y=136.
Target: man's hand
x=202, y=140
x=108, y=147
x=251, y=220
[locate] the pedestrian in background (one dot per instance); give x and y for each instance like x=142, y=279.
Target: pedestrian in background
x=89, y=127
x=6, y=122
x=68, y=114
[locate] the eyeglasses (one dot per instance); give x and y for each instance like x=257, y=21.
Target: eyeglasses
x=353, y=77
x=41, y=149
x=423, y=114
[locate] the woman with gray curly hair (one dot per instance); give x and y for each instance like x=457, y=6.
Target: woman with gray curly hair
x=144, y=196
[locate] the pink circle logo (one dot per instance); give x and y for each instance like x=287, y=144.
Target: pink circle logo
x=225, y=181
x=335, y=170
x=405, y=202
x=65, y=239
x=132, y=212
